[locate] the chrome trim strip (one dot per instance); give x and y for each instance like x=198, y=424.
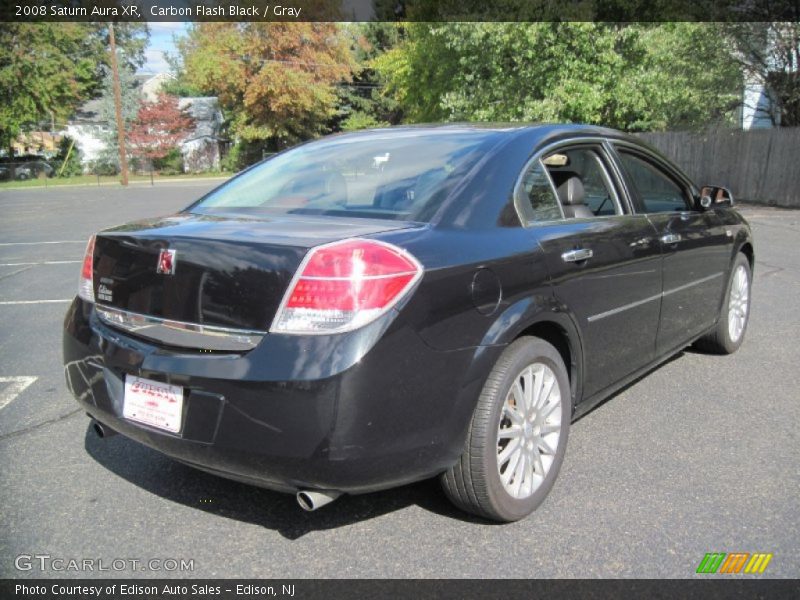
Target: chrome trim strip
x=181, y=333
x=691, y=283
x=625, y=307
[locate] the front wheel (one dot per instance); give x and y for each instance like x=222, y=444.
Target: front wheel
x=518, y=435
x=728, y=334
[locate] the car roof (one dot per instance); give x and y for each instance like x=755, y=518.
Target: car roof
x=537, y=133
x=499, y=127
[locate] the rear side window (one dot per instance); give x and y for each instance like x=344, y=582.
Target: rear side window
x=536, y=196
x=657, y=191
x=598, y=197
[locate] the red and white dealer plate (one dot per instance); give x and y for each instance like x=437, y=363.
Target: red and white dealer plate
x=153, y=403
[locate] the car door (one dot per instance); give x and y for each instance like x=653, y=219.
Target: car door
x=603, y=261
x=694, y=245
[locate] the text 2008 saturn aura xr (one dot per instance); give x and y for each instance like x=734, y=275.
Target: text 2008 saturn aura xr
x=372, y=309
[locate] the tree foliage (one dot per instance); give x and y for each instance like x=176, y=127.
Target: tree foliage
x=48, y=69
x=361, y=104
x=159, y=127
x=131, y=101
x=275, y=81
x=632, y=77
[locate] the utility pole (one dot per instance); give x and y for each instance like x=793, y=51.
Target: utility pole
x=123, y=159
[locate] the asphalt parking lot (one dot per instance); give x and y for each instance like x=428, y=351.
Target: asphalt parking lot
x=702, y=455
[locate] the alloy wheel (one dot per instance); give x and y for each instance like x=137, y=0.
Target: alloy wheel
x=738, y=304
x=529, y=430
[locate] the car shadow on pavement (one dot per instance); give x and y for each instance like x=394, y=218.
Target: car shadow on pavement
x=641, y=376
x=179, y=483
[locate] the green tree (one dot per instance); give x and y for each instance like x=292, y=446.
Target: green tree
x=360, y=103
x=632, y=77
x=108, y=159
x=48, y=69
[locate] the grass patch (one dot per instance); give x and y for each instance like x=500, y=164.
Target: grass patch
x=105, y=180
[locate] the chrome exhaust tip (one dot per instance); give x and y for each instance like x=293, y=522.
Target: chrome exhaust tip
x=312, y=500
x=102, y=431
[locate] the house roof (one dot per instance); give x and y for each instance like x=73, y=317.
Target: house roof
x=89, y=112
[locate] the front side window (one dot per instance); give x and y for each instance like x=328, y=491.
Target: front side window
x=656, y=190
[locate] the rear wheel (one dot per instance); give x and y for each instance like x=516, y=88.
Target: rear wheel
x=518, y=435
x=728, y=335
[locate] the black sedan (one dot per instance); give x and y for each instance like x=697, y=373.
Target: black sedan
x=372, y=309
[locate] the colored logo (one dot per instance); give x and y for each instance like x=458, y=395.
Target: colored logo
x=735, y=562
x=166, y=262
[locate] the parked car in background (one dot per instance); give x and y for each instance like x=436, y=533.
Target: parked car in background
x=24, y=167
x=372, y=309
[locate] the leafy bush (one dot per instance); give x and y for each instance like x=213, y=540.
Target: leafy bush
x=103, y=167
x=171, y=164
x=67, y=163
x=230, y=162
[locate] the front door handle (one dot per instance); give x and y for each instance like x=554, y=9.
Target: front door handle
x=670, y=238
x=578, y=255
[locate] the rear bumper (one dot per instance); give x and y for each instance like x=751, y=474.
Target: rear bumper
x=358, y=412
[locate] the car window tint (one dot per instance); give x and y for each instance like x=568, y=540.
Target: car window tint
x=538, y=194
x=586, y=165
x=657, y=191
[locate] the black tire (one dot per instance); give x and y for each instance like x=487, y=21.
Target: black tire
x=718, y=340
x=473, y=483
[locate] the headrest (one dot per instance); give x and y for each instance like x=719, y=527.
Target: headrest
x=571, y=191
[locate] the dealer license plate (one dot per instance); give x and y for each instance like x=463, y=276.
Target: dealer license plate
x=153, y=403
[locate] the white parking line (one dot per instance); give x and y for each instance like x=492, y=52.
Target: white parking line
x=17, y=272
x=39, y=243
x=13, y=302
x=43, y=262
x=18, y=385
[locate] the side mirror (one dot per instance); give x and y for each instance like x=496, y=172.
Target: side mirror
x=715, y=195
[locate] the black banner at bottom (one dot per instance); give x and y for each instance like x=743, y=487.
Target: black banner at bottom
x=317, y=589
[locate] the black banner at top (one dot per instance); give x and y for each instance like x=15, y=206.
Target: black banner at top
x=400, y=10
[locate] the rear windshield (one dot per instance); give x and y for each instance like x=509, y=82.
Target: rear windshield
x=402, y=175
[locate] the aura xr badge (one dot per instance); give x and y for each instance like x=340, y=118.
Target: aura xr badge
x=166, y=262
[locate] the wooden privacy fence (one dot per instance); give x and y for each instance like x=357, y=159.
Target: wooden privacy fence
x=761, y=165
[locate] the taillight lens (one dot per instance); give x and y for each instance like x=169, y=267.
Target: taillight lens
x=86, y=283
x=345, y=285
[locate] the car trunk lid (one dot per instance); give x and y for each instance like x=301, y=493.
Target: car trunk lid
x=228, y=271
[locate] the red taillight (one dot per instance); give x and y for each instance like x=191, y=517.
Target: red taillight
x=86, y=283
x=345, y=285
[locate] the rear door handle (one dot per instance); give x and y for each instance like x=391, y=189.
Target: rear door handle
x=578, y=255
x=670, y=238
